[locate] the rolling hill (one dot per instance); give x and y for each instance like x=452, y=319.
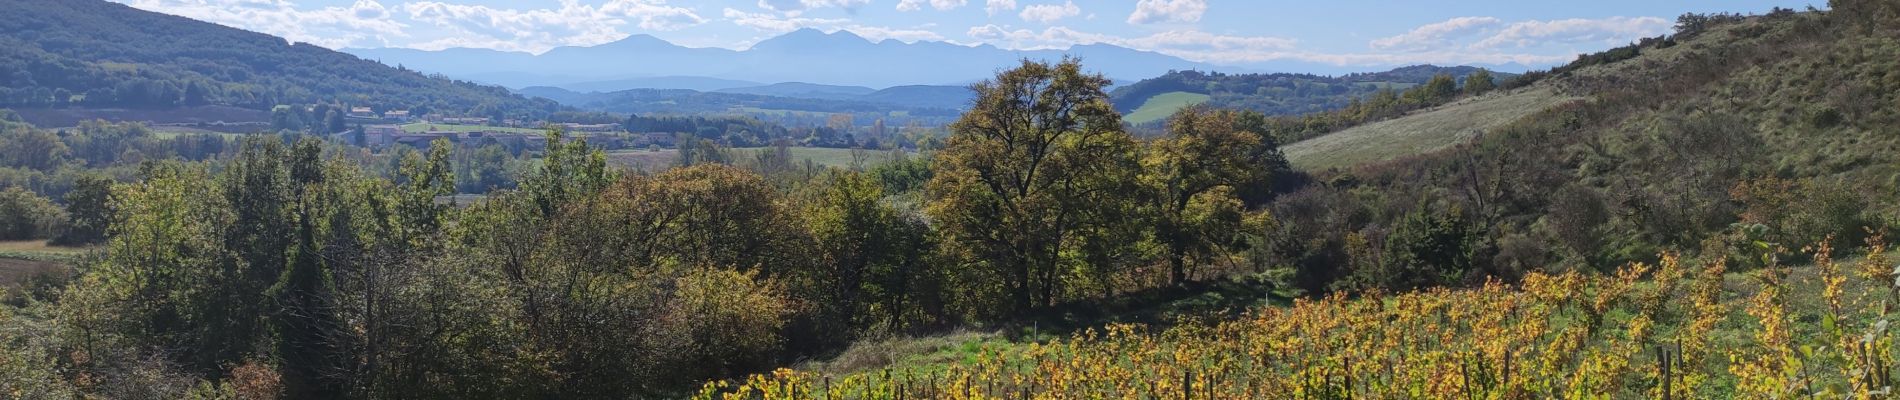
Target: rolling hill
x=1421, y=132
x=1163, y=105
x=1277, y=94
x=803, y=91
x=93, y=53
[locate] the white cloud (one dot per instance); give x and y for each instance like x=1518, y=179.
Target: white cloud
x=1047, y=13
x=994, y=7
x=875, y=33
x=1237, y=50
x=793, y=7
x=940, y=5
x=1187, y=44
x=537, y=30
x=777, y=24
x=772, y=24
x=1153, y=11
x=1436, y=34
x=364, y=23
x=1612, y=31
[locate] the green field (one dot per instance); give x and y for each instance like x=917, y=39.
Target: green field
x=644, y=160
x=167, y=132
x=21, y=260
x=778, y=112
x=427, y=127
x=1164, y=105
x=1420, y=132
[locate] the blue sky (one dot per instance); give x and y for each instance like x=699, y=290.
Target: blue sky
x=1224, y=32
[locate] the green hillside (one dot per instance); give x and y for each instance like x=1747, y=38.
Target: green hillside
x=1164, y=105
x=1422, y=132
x=93, y=53
x=1277, y=94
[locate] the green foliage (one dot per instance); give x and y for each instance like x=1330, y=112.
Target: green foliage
x=569, y=170
x=1479, y=82
x=877, y=255
x=1191, y=175
x=1041, y=156
x=25, y=216
x=721, y=322
x=1429, y=248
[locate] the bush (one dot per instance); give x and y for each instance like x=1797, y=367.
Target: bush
x=25, y=215
x=720, y=322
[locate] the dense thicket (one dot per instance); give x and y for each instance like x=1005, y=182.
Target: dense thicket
x=95, y=53
x=1678, y=146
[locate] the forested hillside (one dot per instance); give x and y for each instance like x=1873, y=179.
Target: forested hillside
x=93, y=53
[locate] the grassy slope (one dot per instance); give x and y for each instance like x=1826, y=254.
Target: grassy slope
x=1421, y=132
x=1164, y=105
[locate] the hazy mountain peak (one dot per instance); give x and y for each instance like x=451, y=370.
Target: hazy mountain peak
x=641, y=40
x=811, y=39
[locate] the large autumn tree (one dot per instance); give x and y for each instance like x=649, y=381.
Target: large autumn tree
x=1193, y=174
x=1041, y=156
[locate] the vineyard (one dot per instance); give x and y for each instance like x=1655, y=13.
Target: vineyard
x=1674, y=329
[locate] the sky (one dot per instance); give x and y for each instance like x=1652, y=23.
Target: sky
x=1221, y=32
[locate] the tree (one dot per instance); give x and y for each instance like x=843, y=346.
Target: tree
x=695, y=151
x=1192, y=174
x=304, y=322
x=870, y=250
x=25, y=215
x=1442, y=87
x=1429, y=248
x=1479, y=82
x=333, y=121
x=570, y=170
x=88, y=211
x=1040, y=154
x=22, y=147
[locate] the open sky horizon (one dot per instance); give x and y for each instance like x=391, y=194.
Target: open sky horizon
x=1220, y=32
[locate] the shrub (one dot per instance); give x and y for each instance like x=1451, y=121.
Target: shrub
x=25, y=215
x=720, y=322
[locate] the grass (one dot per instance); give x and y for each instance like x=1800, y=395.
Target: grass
x=21, y=260
x=426, y=127
x=1421, y=132
x=1163, y=105
x=910, y=352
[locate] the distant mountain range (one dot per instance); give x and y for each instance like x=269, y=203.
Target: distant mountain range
x=840, y=58
x=799, y=97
